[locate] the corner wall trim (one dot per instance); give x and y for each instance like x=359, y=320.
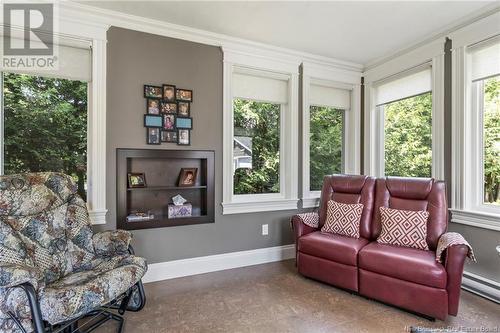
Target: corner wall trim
x=481, y=286
x=199, y=265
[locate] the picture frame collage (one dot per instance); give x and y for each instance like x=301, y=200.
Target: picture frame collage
x=168, y=114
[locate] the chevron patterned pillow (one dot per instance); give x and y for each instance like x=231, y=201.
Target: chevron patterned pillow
x=404, y=228
x=343, y=219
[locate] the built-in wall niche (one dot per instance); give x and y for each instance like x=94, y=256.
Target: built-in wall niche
x=161, y=170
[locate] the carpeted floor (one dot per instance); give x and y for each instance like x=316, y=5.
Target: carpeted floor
x=274, y=298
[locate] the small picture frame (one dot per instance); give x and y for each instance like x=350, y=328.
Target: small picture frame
x=169, y=122
x=151, y=91
x=183, y=137
x=169, y=136
x=136, y=179
x=187, y=177
x=183, y=109
x=168, y=107
x=153, y=136
x=152, y=106
x=184, y=95
x=184, y=123
x=153, y=120
x=169, y=93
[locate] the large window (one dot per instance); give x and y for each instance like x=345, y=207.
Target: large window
x=260, y=136
x=404, y=107
x=325, y=143
x=408, y=136
x=45, y=126
x=256, y=147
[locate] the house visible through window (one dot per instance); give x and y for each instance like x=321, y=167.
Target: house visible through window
x=45, y=126
x=325, y=143
x=256, y=147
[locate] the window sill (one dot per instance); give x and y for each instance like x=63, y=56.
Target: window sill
x=258, y=206
x=310, y=202
x=476, y=219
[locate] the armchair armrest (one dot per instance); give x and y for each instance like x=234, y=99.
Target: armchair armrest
x=300, y=228
x=454, y=265
x=112, y=242
x=12, y=275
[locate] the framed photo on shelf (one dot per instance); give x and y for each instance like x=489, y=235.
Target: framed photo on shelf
x=184, y=123
x=183, y=109
x=152, y=91
x=152, y=106
x=187, y=177
x=153, y=136
x=136, y=179
x=168, y=107
x=153, y=120
x=183, y=137
x=184, y=95
x=169, y=122
x=169, y=136
x=168, y=93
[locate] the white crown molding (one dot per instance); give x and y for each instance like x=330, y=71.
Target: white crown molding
x=199, y=265
x=441, y=34
x=98, y=16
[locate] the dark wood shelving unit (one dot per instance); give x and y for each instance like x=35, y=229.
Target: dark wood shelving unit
x=162, y=168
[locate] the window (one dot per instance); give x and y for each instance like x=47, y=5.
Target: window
x=260, y=138
x=256, y=148
x=485, y=132
x=404, y=107
x=408, y=137
x=45, y=126
x=326, y=143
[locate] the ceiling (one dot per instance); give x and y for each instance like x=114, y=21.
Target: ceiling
x=360, y=32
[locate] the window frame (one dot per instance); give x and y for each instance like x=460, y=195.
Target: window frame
x=96, y=114
x=374, y=116
x=335, y=78
x=235, y=62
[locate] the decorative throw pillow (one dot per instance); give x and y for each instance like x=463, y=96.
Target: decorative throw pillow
x=404, y=228
x=343, y=219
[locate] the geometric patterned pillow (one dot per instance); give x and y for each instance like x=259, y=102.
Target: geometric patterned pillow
x=343, y=219
x=404, y=228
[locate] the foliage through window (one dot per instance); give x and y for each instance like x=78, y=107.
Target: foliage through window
x=491, y=140
x=408, y=136
x=256, y=147
x=45, y=126
x=325, y=144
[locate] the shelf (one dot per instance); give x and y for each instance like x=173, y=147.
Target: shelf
x=164, y=221
x=162, y=188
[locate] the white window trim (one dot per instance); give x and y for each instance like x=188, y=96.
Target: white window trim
x=287, y=198
x=337, y=78
x=374, y=118
x=467, y=144
x=72, y=25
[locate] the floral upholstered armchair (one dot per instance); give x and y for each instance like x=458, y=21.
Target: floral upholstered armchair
x=53, y=269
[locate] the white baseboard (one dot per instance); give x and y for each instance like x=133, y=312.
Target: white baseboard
x=482, y=286
x=199, y=265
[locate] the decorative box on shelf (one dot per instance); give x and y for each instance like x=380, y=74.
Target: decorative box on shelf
x=184, y=210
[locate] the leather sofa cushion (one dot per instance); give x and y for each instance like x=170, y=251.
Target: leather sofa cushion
x=403, y=263
x=332, y=247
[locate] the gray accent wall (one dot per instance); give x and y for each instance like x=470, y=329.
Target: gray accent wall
x=136, y=58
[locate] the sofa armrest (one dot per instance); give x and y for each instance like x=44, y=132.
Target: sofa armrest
x=112, y=242
x=299, y=227
x=12, y=275
x=454, y=265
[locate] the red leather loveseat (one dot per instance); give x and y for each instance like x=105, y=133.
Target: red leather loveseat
x=405, y=277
